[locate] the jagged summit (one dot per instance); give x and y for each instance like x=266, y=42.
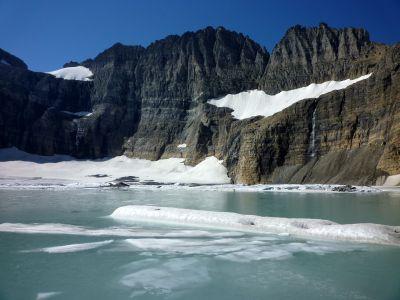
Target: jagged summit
x=314, y=54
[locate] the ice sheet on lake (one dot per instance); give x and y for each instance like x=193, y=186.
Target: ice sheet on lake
x=307, y=228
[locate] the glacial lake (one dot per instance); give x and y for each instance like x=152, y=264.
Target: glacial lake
x=61, y=244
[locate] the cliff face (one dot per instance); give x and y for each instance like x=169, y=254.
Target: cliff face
x=176, y=75
x=146, y=101
x=317, y=54
x=347, y=136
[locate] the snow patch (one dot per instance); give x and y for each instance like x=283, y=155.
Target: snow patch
x=73, y=73
x=257, y=103
x=78, y=113
x=181, y=146
x=308, y=228
x=2, y=61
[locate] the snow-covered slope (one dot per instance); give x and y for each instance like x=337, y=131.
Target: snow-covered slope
x=309, y=228
x=73, y=73
x=258, y=103
x=14, y=162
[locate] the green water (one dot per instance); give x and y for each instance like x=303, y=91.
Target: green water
x=160, y=262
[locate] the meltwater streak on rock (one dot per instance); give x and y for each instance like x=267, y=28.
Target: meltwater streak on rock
x=306, y=228
x=311, y=149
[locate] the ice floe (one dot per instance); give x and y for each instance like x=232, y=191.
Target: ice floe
x=47, y=295
x=71, y=247
x=67, y=229
x=305, y=228
x=73, y=73
x=257, y=103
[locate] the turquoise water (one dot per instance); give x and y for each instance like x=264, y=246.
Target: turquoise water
x=161, y=262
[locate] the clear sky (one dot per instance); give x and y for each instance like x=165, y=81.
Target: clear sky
x=48, y=33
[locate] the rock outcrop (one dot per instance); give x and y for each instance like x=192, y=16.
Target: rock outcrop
x=146, y=101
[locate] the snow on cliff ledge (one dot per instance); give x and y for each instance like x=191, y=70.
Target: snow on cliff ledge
x=73, y=73
x=257, y=103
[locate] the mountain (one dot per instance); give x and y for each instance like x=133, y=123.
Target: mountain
x=145, y=101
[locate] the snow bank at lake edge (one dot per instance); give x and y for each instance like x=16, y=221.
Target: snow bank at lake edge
x=14, y=162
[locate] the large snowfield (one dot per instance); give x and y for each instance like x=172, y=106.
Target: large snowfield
x=73, y=73
x=257, y=103
x=16, y=163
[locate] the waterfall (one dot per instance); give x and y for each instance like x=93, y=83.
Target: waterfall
x=311, y=146
x=80, y=132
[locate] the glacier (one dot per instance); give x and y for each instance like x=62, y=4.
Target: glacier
x=257, y=103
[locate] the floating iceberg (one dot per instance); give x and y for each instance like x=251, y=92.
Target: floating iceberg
x=305, y=228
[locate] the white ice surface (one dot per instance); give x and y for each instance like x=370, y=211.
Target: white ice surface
x=72, y=247
x=181, y=146
x=47, y=295
x=258, y=103
x=308, y=228
x=67, y=229
x=73, y=73
x=16, y=163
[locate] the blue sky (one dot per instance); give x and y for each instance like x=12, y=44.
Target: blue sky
x=48, y=33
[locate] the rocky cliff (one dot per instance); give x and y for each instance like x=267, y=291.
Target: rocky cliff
x=146, y=101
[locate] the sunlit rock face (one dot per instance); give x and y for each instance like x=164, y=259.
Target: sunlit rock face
x=144, y=102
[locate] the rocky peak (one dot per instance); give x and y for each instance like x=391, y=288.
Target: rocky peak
x=314, y=54
x=200, y=61
x=315, y=44
x=11, y=60
x=71, y=64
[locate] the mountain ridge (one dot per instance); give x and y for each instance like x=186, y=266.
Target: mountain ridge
x=147, y=100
